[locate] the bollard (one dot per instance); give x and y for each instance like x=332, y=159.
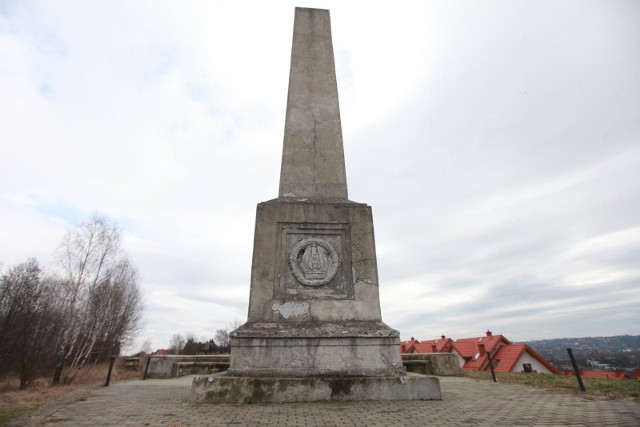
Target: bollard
x=146, y=367
x=493, y=373
x=106, y=383
x=575, y=370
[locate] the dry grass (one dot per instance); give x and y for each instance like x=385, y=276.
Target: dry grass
x=15, y=402
x=613, y=389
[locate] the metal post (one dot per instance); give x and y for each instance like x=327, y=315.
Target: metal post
x=106, y=384
x=493, y=373
x=146, y=367
x=575, y=370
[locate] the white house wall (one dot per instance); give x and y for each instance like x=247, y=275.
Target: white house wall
x=460, y=358
x=535, y=364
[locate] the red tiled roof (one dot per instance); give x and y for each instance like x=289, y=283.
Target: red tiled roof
x=415, y=346
x=421, y=347
x=615, y=375
x=508, y=355
x=468, y=348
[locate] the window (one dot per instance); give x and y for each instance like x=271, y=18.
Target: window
x=527, y=368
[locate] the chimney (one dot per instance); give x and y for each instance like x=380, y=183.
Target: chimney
x=442, y=336
x=489, y=333
x=434, y=349
x=481, y=349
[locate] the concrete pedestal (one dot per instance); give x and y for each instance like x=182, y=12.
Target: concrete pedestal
x=351, y=348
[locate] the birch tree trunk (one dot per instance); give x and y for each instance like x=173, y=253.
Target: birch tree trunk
x=95, y=265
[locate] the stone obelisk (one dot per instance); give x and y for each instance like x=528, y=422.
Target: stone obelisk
x=312, y=155
x=314, y=329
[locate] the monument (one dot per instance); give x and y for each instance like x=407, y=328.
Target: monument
x=314, y=328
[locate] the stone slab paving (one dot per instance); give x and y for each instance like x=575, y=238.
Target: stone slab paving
x=465, y=402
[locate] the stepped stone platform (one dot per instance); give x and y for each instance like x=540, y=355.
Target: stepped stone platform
x=222, y=388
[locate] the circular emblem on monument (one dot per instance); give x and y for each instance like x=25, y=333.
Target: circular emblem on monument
x=313, y=262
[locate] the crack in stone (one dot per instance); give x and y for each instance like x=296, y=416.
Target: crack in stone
x=315, y=154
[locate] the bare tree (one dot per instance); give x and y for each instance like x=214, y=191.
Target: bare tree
x=177, y=343
x=52, y=322
x=101, y=300
x=234, y=324
x=28, y=318
x=146, y=347
x=191, y=346
x=222, y=338
x=116, y=308
x=222, y=335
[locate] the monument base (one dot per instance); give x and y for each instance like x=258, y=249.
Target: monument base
x=221, y=388
x=315, y=349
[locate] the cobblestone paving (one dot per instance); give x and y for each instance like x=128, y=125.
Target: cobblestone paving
x=465, y=402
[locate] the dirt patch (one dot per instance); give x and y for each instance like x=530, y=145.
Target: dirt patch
x=15, y=402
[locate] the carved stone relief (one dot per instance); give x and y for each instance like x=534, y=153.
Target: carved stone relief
x=313, y=262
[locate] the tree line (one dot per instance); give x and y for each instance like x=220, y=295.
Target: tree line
x=54, y=322
x=188, y=344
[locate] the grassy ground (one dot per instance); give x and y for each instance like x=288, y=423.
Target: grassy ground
x=613, y=389
x=15, y=402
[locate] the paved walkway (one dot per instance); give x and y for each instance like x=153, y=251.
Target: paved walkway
x=465, y=402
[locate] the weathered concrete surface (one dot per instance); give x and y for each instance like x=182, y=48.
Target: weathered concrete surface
x=445, y=365
x=312, y=154
x=295, y=329
x=270, y=356
x=169, y=366
x=441, y=364
x=224, y=389
x=351, y=295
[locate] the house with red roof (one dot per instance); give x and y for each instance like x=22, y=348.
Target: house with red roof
x=472, y=353
x=521, y=358
x=440, y=345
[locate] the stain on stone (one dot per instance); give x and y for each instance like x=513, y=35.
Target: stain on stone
x=291, y=308
x=258, y=394
x=340, y=386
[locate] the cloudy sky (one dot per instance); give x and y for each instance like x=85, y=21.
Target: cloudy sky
x=498, y=143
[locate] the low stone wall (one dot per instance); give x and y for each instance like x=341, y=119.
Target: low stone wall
x=130, y=363
x=444, y=364
x=170, y=366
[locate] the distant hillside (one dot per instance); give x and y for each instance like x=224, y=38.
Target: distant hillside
x=621, y=351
